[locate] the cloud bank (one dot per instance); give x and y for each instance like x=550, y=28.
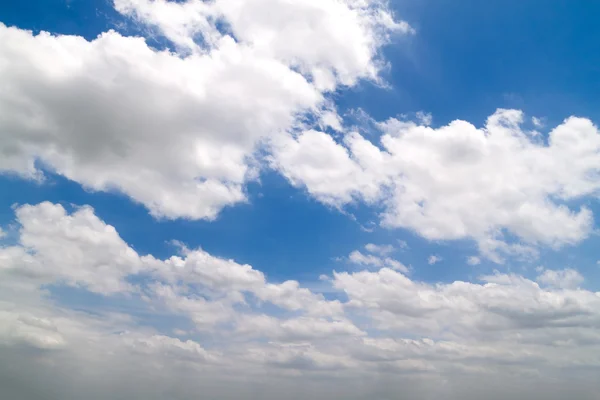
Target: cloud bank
x=234, y=329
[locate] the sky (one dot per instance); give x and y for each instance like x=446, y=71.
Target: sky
x=266, y=199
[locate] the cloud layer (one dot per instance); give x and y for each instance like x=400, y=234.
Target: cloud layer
x=234, y=324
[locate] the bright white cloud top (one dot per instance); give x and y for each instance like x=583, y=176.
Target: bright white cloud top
x=459, y=181
x=177, y=131
x=246, y=86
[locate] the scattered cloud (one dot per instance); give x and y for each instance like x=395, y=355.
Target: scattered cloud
x=424, y=118
x=382, y=250
x=402, y=245
x=246, y=85
x=433, y=259
x=473, y=260
x=358, y=258
x=537, y=122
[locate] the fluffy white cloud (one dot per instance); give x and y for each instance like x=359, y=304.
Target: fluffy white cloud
x=80, y=250
x=565, y=279
x=77, y=250
x=382, y=250
x=177, y=131
x=345, y=35
x=503, y=304
x=173, y=133
x=459, y=181
x=240, y=328
x=356, y=257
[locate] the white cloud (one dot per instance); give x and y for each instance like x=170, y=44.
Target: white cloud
x=345, y=35
x=433, y=259
x=382, y=250
x=356, y=257
x=473, y=260
x=387, y=326
x=459, y=181
x=564, y=279
x=80, y=250
x=77, y=249
x=503, y=305
x=326, y=169
x=402, y=245
x=424, y=118
x=164, y=345
x=25, y=329
x=537, y=122
x=177, y=131
x=295, y=329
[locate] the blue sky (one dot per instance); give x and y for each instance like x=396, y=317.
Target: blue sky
x=290, y=220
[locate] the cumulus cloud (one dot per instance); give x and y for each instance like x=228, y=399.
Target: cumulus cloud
x=240, y=328
x=459, y=181
x=502, y=308
x=180, y=130
x=564, y=279
x=176, y=131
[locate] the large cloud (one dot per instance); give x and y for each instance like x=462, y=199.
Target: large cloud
x=177, y=131
x=235, y=329
x=459, y=181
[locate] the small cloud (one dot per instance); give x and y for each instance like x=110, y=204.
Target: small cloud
x=323, y=277
x=473, y=260
x=424, y=118
x=383, y=250
x=180, y=332
x=433, y=259
x=2, y=233
x=402, y=245
x=537, y=122
x=358, y=258
x=397, y=265
x=330, y=119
